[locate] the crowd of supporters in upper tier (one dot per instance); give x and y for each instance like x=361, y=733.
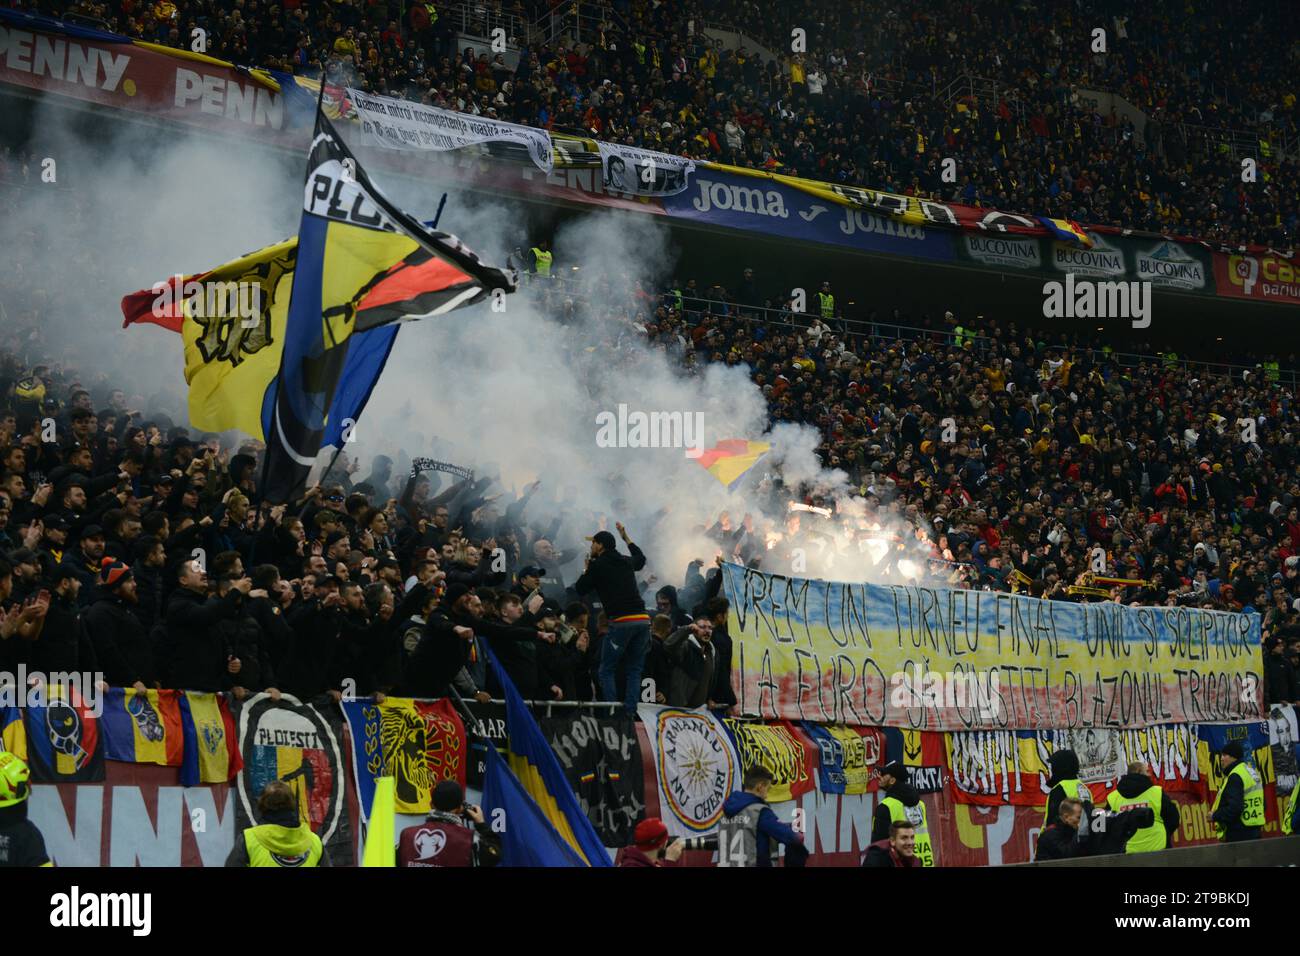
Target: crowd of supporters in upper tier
x=864, y=93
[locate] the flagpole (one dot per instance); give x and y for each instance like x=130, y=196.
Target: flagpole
x=320, y=94
x=438, y=215
x=320, y=105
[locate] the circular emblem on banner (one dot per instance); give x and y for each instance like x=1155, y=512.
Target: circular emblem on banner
x=287, y=741
x=697, y=767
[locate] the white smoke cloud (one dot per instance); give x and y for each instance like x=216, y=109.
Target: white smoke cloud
x=515, y=393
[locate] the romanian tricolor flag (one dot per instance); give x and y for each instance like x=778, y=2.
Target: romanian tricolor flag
x=546, y=825
x=1067, y=230
x=143, y=727
x=13, y=736
x=63, y=741
x=211, y=744
x=729, y=460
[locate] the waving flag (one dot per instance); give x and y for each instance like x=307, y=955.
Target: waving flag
x=351, y=239
x=546, y=826
x=1067, y=230
x=729, y=460
x=233, y=319
x=143, y=728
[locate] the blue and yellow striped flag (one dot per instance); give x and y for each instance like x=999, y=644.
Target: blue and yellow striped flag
x=13, y=735
x=544, y=824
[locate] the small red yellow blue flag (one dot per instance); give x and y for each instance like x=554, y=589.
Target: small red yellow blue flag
x=730, y=460
x=1067, y=230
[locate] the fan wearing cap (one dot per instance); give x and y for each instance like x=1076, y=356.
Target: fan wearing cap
x=50, y=549
x=86, y=559
x=454, y=834
x=613, y=577
x=121, y=642
x=527, y=580
x=651, y=846
x=1238, y=811
x=21, y=843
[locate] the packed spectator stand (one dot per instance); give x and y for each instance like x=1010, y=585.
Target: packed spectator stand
x=1062, y=449
x=874, y=98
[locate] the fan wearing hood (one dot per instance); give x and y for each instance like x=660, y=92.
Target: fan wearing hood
x=666, y=603
x=1065, y=783
x=1136, y=789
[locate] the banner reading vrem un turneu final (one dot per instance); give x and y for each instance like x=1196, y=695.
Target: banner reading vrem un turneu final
x=940, y=659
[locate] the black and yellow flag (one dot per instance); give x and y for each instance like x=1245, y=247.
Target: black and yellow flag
x=362, y=264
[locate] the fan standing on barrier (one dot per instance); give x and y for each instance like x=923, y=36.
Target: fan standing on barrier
x=613, y=577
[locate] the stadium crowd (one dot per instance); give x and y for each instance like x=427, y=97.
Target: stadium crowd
x=1011, y=459
x=876, y=99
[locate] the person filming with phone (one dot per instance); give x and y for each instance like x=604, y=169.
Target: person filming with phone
x=454, y=834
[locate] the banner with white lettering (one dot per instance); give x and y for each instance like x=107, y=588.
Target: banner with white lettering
x=49, y=56
x=942, y=659
x=296, y=744
x=601, y=758
x=643, y=172
x=400, y=124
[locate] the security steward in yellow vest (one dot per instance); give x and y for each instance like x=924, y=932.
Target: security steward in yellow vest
x=1066, y=783
x=542, y=258
x=1238, y=811
x=21, y=843
x=284, y=840
x=901, y=801
x=1136, y=789
x=826, y=301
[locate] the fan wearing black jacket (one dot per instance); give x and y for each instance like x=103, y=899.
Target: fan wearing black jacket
x=613, y=577
x=445, y=647
x=1108, y=832
x=1132, y=787
x=121, y=643
x=197, y=653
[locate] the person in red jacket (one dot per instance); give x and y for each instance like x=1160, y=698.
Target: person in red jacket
x=899, y=850
x=454, y=835
x=650, y=846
